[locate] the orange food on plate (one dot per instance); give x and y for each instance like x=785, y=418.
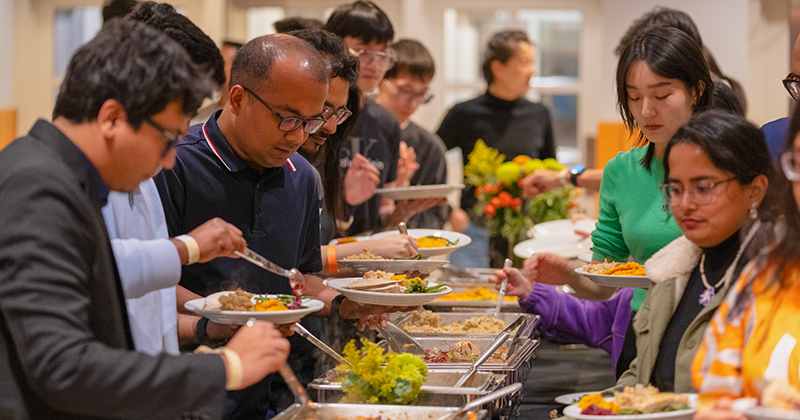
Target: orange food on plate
x=428, y=242
x=270, y=305
x=346, y=240
x=627, y=269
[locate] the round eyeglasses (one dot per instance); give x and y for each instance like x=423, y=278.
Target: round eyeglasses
x=291, y=123
x=790, y=165
x=172, y=139
x=342, y=114
x=792, y=85
x=700, y=192
x=385, y=58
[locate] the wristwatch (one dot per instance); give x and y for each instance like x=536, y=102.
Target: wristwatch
x=574, y=172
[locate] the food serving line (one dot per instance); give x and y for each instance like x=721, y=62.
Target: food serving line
x=459, y=300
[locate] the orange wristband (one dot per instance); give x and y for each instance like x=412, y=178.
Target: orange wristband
x=333, y=266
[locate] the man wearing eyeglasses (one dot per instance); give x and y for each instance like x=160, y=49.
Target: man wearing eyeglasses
x=404, y=88
x=776, y=131
x=375, y=141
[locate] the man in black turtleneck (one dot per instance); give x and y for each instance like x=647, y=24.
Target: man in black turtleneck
x=501, y=117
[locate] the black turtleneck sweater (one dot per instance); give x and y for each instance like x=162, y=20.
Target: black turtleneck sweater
x=718, y=259
x=518, y=127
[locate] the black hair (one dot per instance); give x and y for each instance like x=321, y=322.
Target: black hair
x=671, y=54
x=661, y=16
x=501, y=47
x=296, y=23
x=326, y=159
x=252, y=65
x=412, y=59
x=201, y=48
x=784, y=257
x=118, y=9
x=363, y=20
x=331, y=46
x=725, y=99
x=734, y=145
x=134, y=64
x=718, y=76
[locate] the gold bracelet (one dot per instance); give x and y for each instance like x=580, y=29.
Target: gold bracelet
x=192, y=248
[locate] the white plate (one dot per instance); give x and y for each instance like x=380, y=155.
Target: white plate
x=460, y=239
x=393, y=266
x=574, y=412
x=357, y=238
x=557, y=237
x=568, y=399
x=386, y=299
x=241, y=317
x=419, y=191
x=753, y=411
x=641, y=282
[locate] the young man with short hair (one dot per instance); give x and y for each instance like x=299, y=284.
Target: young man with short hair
x=404, y=88
x=65, y=346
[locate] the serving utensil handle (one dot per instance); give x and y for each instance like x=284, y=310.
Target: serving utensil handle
x=487, y=353
x=303, y=332
x=502, y=392
x=502, y=294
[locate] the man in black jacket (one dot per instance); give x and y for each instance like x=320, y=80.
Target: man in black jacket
x=65, y=345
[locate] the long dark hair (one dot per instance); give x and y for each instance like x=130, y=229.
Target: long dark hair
x=671, y=54
x=734, y=145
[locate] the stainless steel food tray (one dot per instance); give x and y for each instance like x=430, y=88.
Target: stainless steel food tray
x=384, y=412
x=448, y=318
x=438, y=390
x=471, y=305
x=514, y=362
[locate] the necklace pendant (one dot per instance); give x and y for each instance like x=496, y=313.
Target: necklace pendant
x=706, y=296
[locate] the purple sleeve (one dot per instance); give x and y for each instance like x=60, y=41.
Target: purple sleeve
x=569, y=319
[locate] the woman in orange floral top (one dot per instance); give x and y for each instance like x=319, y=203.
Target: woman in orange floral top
x=753, y=338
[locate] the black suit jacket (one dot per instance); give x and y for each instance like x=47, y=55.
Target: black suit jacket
x=65, y=346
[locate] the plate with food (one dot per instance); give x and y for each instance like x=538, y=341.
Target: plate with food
x=420, y=191
x=382, y=288
x=634, y=403
x=413, y=266
x=432, y=241
x=239, y=306
x=347, y=240
x=573, y=398
x=615, y=274
x=557, y=237
x=779, y=401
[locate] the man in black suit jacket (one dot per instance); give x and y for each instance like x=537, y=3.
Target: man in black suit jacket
x=65, y=346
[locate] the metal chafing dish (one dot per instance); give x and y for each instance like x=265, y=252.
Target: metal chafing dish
x=448, y=318
x=515, y=368
x=460, y=280
x=438, y=390
x=384, y=412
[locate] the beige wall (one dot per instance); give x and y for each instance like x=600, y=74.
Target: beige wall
x=748, y=37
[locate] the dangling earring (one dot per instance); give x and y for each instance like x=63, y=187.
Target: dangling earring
x=753, y=211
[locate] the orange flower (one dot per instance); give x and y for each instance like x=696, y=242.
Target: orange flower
x=489, y=210
x=505, y=199
x=495, y=202
x=516, y=203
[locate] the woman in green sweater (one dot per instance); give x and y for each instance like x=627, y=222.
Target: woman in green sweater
x=662, y=79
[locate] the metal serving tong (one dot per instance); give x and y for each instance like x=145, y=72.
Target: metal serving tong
x=303, y=332
x=399, y=340
x=296, y=279
x=493, y=346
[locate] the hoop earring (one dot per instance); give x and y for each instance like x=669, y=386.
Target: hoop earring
x=753, y=211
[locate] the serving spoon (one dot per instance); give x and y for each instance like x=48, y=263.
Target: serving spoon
x=303, y=332
x=502, y=392
x=399, y=340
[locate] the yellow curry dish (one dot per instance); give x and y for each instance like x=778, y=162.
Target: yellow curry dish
x=478, y=293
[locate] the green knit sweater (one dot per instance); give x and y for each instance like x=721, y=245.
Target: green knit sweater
x=631, y=220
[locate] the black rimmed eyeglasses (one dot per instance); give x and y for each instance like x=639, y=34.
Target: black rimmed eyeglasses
x=342, y=114
x=792, y=85
x=172, y=139
x=291, y=123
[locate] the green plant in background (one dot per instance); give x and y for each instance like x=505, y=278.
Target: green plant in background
x=369, y=381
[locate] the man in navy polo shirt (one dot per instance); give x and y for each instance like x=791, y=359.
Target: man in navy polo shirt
x=241, y=166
